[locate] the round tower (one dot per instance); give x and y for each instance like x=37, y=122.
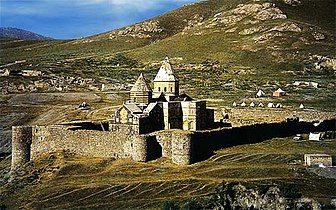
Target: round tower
x=141, y=92
x=165, y=81
x=21, y=141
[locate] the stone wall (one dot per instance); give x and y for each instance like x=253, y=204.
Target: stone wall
x=31, y=142
x=317, y=159
x=21, y=140
x=82, y=142
x=164, y=139
x=182, y=147
x=206, y=142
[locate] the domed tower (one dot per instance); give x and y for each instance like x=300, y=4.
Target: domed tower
x=141, y=92
x=165, y=81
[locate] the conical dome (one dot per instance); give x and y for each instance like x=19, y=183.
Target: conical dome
x=141, y=85
x=165, y=73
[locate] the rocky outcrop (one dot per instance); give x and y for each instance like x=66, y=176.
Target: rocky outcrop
x=260, y=11
x=287, y=27
x=255, y=11
x=237, y=196
x=267, y=36
x=292, y=2
x=318, y=36
x=196, y=20
x=141, y=30
x=253, y=30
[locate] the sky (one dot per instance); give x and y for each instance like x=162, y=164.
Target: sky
x=68, y=19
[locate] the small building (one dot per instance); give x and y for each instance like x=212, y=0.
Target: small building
x=260, y=93
x=315, y=136
x=279, y=93
x=4, y=73
x=31, y=73
x=315, y=84
x=84, y=106
x=318, y=159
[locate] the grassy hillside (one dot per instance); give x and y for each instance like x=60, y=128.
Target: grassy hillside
x=219, y=49
x=61, y=180
x=317, y=13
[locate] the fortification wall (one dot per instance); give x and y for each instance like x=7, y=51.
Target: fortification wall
x=182, y=147
x=31, y=142
x=204, y=143
x=82, y=142
x=165, y=140
x=21, y=140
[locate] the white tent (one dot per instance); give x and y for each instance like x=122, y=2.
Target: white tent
x=243, y=104
x=270, y=105
x=252, y=104
x=234, y=104
x=301, y=106
x=279, y=105
x=261, y=104
x=260, y=93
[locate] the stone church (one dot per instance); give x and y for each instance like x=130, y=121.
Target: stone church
x=161, y=108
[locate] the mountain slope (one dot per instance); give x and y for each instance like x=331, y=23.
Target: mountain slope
x=219, y=49
x=318, y=14
x=16, y=33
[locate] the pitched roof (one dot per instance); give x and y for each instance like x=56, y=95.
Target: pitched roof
x=165, y=73
x=141, y=85
x=150, y=107
x=133, y=108
x=183, y=97
x=279, y=90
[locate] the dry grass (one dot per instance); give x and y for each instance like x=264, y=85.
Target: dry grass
x=72, y=182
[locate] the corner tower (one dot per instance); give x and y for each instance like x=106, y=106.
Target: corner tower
x=165, y=81
x=141, y=92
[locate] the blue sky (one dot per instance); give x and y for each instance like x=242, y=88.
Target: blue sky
x=66, y=19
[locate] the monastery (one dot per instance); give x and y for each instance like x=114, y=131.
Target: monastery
x=162, y=108
x=133, y=131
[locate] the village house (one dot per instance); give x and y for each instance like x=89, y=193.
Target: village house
x=279, y=93
x=323, y=160
x=316, y=136
x=31, y=73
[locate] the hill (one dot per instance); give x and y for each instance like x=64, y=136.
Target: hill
x=16, y=33
x=219, y=49
x=222, y=51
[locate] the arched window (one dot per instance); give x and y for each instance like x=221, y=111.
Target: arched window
x=165, y=89
x=171, y=89
x=159, y=88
